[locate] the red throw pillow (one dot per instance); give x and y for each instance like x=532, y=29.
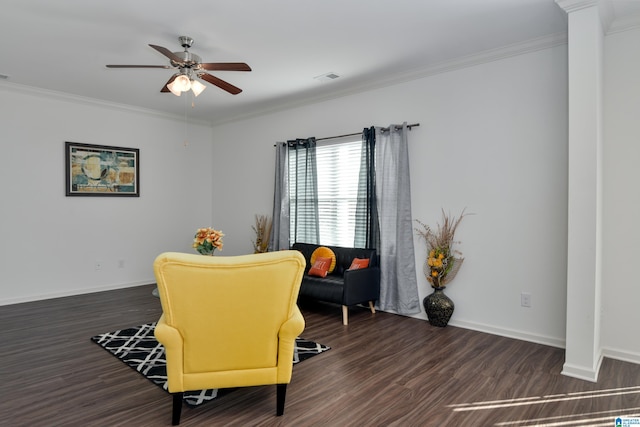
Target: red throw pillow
x=320, y=267
x=359, y=263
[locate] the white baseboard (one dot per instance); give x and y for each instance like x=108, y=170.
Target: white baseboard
x=568, y=369
x=511, y=333
x=582, y=373
x=625, y=356
x=73, y=292
x=503, y=332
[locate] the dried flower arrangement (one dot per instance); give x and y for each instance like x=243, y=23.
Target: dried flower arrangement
x=262, y=229
x=442, y=264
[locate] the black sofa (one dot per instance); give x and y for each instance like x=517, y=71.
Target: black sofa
x=342, y=286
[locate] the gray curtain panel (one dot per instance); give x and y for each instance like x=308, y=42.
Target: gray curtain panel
x=367, y=234
x=279, y=238
x=295, y=200
x=398, y=282
x=306, y=224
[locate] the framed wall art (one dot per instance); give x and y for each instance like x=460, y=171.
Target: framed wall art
x=101, y=170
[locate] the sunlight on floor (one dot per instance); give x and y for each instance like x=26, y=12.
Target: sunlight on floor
x=594, y=419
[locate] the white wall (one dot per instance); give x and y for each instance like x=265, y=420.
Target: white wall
x=621, y=293
x=49, y=242
x=492, y=138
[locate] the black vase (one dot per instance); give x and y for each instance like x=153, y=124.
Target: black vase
x=439, y=307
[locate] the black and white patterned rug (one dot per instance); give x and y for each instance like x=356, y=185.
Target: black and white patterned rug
x=139, y=349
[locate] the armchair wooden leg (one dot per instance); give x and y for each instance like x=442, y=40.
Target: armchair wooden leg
x=372, y=307
x=345, y=315
x=177, y=408
x=281, y=394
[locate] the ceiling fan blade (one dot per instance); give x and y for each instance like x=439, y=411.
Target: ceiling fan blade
x=138, y=66
x=220, y=83
x=165, y=88
x=225, y=66
x=166, y=52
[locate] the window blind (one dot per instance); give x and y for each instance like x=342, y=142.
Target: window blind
x=338, y=168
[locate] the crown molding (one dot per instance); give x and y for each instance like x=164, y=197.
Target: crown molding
x=605, y=9
x=487, y=56
x=625, y=23
x=610, y=23
x=574, y=5
x=77, y=99
x=491, y=55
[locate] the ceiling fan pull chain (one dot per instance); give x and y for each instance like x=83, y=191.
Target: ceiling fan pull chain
x=186, y=141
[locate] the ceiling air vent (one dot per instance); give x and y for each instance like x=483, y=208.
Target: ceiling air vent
x=327, y=77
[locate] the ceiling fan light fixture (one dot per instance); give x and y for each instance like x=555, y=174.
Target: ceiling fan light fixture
x=174, y=90
x=197, y=87
x=182, y=83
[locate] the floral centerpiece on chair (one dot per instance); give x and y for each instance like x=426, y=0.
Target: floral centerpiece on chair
x=207, y=240
x=443, y=262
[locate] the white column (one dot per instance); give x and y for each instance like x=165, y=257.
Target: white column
x=583, y=351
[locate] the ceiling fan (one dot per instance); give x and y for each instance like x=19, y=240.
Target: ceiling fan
x=190, y=66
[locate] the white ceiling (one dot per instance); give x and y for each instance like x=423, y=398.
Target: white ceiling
x=64, y=45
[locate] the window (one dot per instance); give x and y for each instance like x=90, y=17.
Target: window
x=337, y=171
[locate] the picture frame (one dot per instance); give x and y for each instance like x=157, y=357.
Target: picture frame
x=101, y=170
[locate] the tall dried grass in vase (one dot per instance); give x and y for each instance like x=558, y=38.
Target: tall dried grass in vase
x=443, y=262
x=262, y=229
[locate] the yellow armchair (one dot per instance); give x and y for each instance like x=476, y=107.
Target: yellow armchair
x=228, y=321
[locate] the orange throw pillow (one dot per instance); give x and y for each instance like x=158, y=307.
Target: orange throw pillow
x=324, y=252
x=359, y=263
x=320, y=267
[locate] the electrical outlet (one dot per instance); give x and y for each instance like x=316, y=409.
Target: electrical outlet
x=525, y=299
x=120, y=263
x=98, y=265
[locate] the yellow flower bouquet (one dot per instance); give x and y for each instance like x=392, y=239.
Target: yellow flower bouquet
x=442, y=264
x=207, y=240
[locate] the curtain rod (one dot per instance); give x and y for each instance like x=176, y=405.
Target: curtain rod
x=360, y=133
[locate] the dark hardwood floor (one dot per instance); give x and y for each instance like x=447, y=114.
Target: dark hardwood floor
x=382, y=370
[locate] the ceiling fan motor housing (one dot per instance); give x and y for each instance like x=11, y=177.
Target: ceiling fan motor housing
x=188, y=59
x=185, y=41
